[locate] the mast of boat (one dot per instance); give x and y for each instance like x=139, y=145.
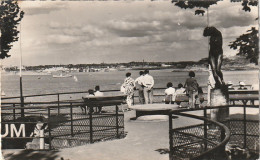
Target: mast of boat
x=21, y=84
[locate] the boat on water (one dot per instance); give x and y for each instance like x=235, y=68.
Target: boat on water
x=62, y=76
x=3, y=93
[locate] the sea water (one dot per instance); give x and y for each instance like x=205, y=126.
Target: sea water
x=45, y=84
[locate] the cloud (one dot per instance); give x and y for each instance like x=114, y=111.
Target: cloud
x=119, y=31
x=133, y=28
x=41, y=7
x=62, y=39
x=117, y=42
x=231, y=15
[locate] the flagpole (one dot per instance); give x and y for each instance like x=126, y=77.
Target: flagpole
x=21, y=84
x=209, y=87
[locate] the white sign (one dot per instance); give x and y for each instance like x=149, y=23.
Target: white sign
x=14, y=130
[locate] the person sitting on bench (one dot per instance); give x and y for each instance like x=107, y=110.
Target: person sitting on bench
x=169, y=94
x=180, y=91
x=242, y=86
x=98, y=93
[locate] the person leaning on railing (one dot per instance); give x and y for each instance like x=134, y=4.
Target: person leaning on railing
x=139, y=86
x=148, y=83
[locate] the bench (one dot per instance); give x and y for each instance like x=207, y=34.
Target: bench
x=152, y=109
x=101, y=101
x=243, y=95
x=184, y=98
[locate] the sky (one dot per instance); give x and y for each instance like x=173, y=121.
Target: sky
x=85, y=32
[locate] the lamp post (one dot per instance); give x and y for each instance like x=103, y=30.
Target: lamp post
x=21, y=84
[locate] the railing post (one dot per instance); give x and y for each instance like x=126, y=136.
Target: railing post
x=71, y=120
x=90, y=124
x=58, y=103
x=117, y=125
x=49, y=127
x=244, y=121
x=205, y=129
x=22, y=106
x=14, y=112
x=170, y=136
x=222, y=137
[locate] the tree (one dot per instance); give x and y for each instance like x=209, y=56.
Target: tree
x=248, y=45
x=10, y=16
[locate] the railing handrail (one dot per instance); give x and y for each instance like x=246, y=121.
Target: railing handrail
x=52, y=102
x=63, y=93
x=215, y=107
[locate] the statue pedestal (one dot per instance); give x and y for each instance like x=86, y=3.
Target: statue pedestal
x=219, y=98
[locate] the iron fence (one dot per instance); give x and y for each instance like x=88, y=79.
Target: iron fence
x=209, y=139
x=197, y=141
x=65, y=125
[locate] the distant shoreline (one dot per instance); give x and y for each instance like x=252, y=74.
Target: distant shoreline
x=137, y=69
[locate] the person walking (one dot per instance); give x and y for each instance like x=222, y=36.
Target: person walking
x=148, y=83
x=140, y=87
x=192, y=86
x=128, y=85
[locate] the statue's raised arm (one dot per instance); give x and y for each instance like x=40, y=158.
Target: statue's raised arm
x=215, y=54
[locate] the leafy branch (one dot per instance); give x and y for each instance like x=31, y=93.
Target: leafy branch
x=247, y=45
x=10, y=16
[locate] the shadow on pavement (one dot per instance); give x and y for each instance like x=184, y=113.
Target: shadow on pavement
x=32, y=155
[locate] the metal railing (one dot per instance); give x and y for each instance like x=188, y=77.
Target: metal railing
x=58, y=97
x=208, y=139
x=67, y=125
x=198, y=141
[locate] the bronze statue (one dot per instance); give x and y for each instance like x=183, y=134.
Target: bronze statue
x=215, y=54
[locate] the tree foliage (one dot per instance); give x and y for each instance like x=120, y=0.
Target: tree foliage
x=190, y=4
x=247, y=45
x=193, y=4
x=10, y=16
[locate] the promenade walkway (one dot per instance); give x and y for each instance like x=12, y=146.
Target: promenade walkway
x=142, y=140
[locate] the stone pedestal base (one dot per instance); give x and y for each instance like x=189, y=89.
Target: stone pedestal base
x=35, y=144
x=219, y=98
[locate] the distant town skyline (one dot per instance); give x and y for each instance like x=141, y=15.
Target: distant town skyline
x=85, y=32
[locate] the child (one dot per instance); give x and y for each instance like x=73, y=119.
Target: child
x=200, y=97
x=169, y=94
x=180, y=91
x=98, y=93
x=192, y=86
